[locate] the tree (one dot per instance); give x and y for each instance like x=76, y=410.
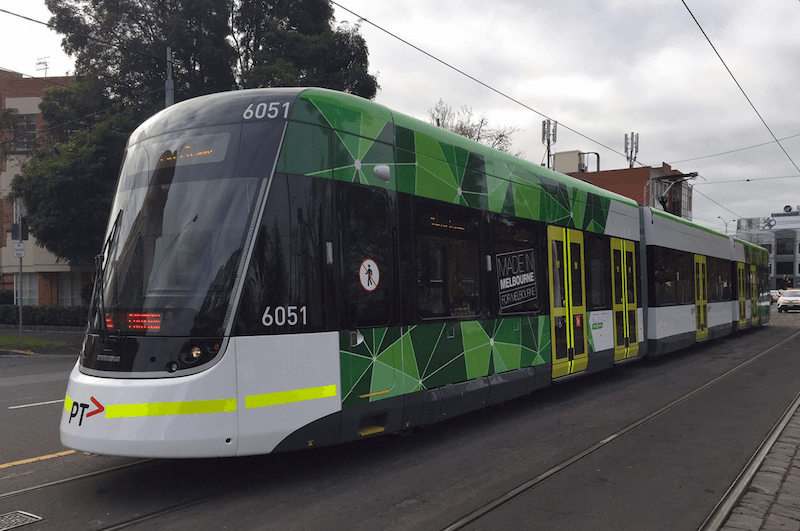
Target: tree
x=293, y=43
x=461, y=123
x=120, y=50
x=68, y=195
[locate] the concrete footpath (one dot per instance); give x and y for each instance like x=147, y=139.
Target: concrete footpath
x=771, y=501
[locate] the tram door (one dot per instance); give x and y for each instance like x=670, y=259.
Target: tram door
x=701, y=296
x=741, y=279
x=623, y=279
x=567, y=301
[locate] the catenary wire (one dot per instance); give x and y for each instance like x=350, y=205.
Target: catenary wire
x=497, y=91
x=740, y=86
x=472, y=78
x=89, y=37
x=734, y=150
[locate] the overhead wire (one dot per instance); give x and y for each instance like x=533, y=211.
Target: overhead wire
x=740, y=86
x=501, y=93
x=89, y=37
x=473, y=78
x=734, y=150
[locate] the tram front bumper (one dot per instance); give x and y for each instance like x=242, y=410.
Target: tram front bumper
x=186, y=417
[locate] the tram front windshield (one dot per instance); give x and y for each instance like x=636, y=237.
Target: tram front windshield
x=175, y=240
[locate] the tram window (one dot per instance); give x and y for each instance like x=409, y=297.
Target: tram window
x=284, y=286
x=598, y=272
x=446, y=260
x=719, y=280
x=516, y=251
x=575, y=271
x=714, y=287
x=368, y=269
x=684, y=268
x=661, y=268
x=306, y=150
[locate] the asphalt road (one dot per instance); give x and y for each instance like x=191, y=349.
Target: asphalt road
x=667, y=474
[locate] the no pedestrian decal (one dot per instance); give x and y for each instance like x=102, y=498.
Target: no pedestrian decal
x=369, y=274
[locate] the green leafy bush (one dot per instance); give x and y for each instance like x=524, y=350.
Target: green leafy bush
x=44, y=315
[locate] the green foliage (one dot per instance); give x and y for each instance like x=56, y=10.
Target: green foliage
x=44, y=315
x=120, y=50
x=283, y=43
x=68, y=194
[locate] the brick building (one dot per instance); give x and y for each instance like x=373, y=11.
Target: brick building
x=646, y=185
x=45, y=280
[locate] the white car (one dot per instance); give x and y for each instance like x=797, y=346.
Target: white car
x=789, y=300
x=774, y=295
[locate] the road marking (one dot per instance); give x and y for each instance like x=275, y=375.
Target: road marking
x=34, y=459
x=37, y=404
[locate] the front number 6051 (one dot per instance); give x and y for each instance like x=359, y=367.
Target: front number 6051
x=283, y=315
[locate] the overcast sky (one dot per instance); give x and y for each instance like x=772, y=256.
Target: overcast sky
x=601, y=68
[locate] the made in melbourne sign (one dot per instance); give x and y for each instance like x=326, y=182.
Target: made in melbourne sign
x=516, y=278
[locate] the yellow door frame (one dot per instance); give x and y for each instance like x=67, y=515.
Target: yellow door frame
x=740, y=277
x=625, y=303
x=568, y=331
x=753, y=296
x=701, y=296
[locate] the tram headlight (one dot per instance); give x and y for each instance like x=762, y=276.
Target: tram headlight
x=195, y=352
x=199, y=351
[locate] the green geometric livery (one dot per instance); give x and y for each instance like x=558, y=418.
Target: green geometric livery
x=336, y=136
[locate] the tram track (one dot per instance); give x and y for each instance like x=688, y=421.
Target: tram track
x=175, y=506
x=719, y=512
x=78, y=477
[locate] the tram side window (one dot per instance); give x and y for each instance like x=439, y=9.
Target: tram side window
x=598, y=272
x=446, y=260
x=369, y=268
x=684, y=266
x=719, y=279
x=516, y=267
x=714, y=287
x=673, y=276
x=662, y=270
x=284, y=288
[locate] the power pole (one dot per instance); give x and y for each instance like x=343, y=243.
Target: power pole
x=549, y=129
x=632, y=148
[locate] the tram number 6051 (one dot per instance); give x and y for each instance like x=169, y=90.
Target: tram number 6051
x=266, y=110
x=284, y=315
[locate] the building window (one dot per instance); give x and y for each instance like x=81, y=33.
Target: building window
x=25, y=133
x=69, y=289
x=784, y=246
x=30, y=289
x=784, y=268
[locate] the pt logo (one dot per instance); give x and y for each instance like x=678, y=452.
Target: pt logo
x=81, y=409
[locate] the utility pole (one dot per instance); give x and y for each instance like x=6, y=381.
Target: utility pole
x=169, y=87
x=631, y=147
x=549, y=129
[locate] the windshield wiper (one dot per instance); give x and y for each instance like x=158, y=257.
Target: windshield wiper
x=98, y=294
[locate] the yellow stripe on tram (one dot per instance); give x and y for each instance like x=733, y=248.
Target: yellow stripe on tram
x=288, y=397
x=158, y=409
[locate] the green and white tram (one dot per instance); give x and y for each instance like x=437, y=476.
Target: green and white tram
x=293, y=268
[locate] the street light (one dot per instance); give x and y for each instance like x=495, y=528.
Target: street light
x=726, y=224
